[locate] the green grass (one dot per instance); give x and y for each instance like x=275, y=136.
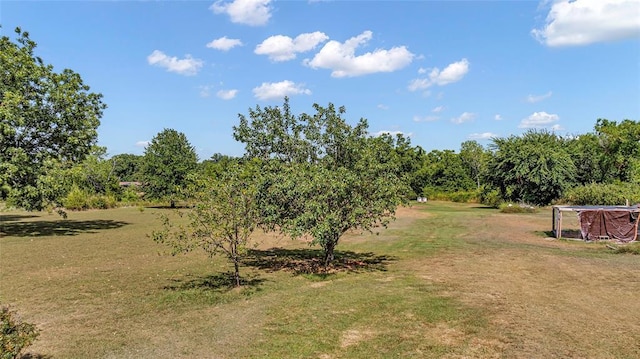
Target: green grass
x=445, y=280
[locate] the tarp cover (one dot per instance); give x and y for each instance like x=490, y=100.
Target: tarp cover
x=621, y=225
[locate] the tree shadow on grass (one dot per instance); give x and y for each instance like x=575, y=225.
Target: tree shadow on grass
x=14, y=217
x=35, y=356
x=309, y=261
x=62, y=227
x=221, y=282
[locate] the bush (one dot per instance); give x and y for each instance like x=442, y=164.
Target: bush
x=76, y=199
x=603, y=194
x=101, y=202
x=15, y=335
x=459, y=196
x=491, y=198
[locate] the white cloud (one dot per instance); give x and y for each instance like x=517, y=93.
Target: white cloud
x=248, y=12
x=284, y=48
x=573, y=23
x=482, y=136
x=557, y=127
x=438, y=109
x=142, y=143
x=498, y=117
x=425, y=118
x=465, y=117
x=539, y=120
x=340, y=58
x=392, y=133
x=538, y=98
x=187, y=66
x=452, y=73
x=224, y=44
x=383, y=107
x=278, y=90
x=226, y=94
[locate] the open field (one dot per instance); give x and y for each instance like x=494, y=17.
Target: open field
x=444, y=281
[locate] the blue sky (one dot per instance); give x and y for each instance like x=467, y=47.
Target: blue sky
x=441, y=72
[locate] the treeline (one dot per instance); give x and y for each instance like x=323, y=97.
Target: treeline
x=537, y=168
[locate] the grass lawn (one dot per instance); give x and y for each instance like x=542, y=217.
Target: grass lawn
x=444, y=281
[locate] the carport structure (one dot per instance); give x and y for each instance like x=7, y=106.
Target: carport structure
x=618, y=223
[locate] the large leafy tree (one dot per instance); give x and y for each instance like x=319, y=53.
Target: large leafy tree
x=167, y=162
x=323, y=177
x=47, y=120
x=535, y=168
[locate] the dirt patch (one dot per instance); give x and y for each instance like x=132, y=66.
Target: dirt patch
x=355, y=336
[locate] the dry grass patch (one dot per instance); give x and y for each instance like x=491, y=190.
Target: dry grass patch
x=445, y=281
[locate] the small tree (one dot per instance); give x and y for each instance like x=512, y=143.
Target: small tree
x=324, y=177
x=224, y=215
x=167, y=162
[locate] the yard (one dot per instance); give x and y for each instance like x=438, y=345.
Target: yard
x=445, y=280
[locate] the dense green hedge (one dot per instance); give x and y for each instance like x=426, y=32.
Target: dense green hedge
x=603, y=194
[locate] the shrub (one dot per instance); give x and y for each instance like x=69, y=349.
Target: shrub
x=459, y=196
x=101, y=202
x=15, y=335
x=603, y=194
x=76, y=199
x=491, y=198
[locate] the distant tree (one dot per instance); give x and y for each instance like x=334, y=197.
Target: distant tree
x=167, y=162
x=474, y=158
x=126, y=167
x=410, y=160
x=446, y=173
x=323, y=177
x=95, y=175
x=535, y=168
x=621, y=145
x=588, y=157
x=47, y=120
x=223, y=218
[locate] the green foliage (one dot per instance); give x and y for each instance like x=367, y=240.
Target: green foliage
x=76, y=199
x=224, y=215
x=458, y=196
x=604, y=194
x=620, y=143
x=533, y=168
x=444, y=171
x=126, y=167
x=15, y=335
x=167, y=162
x=46, y=118
x=491, y=197
x=474, y=158
x=323, y=177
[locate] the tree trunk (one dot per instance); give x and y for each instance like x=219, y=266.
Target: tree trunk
x=237, y=271
x=328, y=252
